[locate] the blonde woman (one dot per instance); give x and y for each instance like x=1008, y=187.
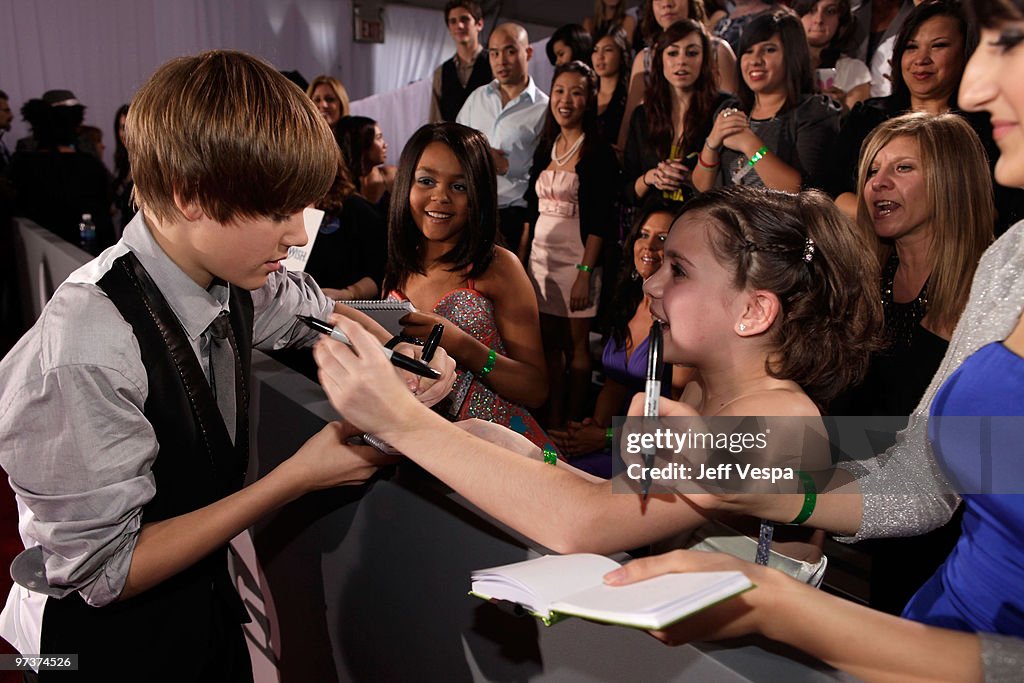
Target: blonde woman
x=330, y=97
x=930, y=216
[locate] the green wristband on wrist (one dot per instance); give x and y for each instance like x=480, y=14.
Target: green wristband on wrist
x=810, y=498
x=758, y=155
x=492, y=358
x=583, y=267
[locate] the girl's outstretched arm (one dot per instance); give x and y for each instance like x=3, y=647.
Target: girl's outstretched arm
x=552, y=505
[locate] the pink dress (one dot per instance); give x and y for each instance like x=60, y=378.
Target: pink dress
x=474, y=314
x=557, y=248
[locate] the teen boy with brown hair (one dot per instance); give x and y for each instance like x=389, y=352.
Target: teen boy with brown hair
x=123, y=411
x=468, y=69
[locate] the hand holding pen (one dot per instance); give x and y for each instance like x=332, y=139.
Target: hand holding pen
x=432, y=342
x=429, y=349
x=399, y=360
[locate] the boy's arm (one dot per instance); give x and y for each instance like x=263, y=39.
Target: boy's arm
x=76, y=444
x=167, y=547
x=287, y=295
x=79, y=453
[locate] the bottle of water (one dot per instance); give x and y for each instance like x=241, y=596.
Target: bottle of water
x=87, y=233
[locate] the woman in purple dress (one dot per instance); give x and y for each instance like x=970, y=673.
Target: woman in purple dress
x=624, y=359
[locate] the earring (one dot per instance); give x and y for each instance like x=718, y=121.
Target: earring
x=636, y=275
x=742, y=327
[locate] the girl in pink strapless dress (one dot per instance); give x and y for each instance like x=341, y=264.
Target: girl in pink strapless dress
x=442, y=257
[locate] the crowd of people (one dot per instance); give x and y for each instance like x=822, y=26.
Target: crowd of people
x=800, y=193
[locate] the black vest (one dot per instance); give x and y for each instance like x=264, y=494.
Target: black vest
x=186, y=628
x=453, y=95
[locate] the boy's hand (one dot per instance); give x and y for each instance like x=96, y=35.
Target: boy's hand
x=325, y=460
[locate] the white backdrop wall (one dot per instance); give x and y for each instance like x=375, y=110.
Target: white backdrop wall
x=103, y=50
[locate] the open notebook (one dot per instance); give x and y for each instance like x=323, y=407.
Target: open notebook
x=558, y=586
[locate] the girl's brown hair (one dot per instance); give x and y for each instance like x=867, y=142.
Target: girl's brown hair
x=804, y=250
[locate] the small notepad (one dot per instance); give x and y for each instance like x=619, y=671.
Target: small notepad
x=387, y=312
x=557, y=586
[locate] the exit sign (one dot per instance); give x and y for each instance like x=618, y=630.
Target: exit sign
x=368, y=25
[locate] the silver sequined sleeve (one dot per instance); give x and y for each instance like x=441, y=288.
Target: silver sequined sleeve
x=1002, y=658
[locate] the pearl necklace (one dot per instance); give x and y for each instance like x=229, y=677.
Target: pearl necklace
x=564, y=159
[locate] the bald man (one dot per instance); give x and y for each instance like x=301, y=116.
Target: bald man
x=510, y=112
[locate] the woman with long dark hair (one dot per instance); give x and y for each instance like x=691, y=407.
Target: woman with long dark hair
x=658, y=16
x=668, y=129
x=569, y=43
x=366, y=153
x=777, y=132
x=611, y=64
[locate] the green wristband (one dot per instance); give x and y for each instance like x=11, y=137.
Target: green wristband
x=609, y=435
x=584, y=267
x=758, y=155
x=810, y=498
x=550, y=454
x=492, y=358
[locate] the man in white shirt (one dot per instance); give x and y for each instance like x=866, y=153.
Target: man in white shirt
x=510, y=112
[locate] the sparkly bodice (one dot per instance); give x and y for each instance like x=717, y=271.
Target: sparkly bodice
x=901, y=319
x=473, y=313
